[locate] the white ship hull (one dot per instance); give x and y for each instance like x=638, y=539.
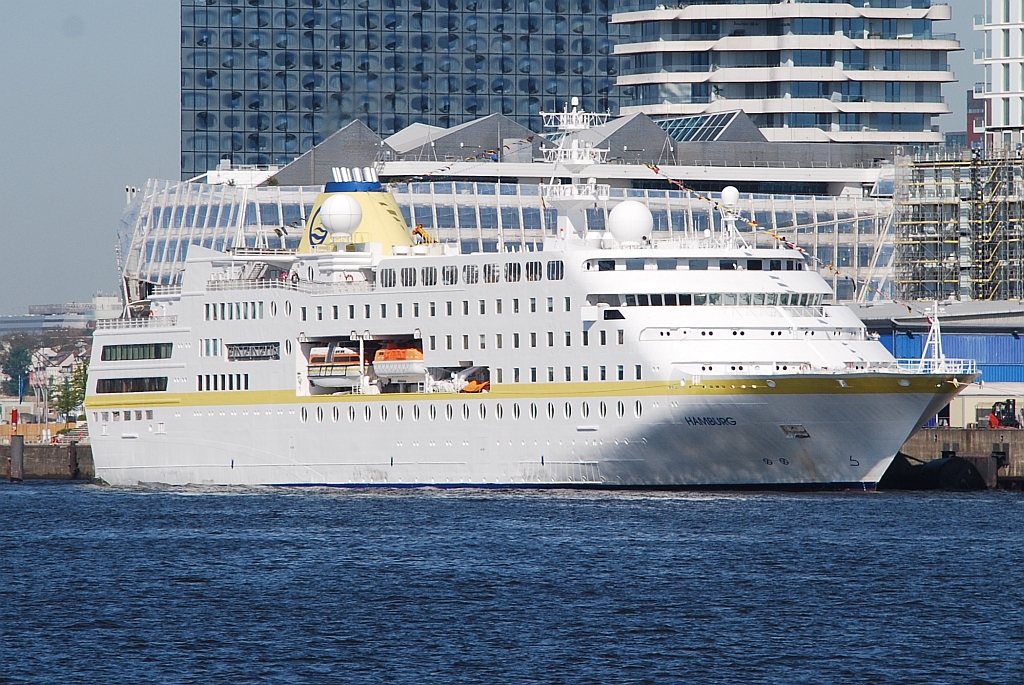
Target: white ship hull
x=614, y=363
x=681, y=439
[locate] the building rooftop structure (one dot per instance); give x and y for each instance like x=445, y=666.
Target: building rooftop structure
x=848, y=71
x=477, y=185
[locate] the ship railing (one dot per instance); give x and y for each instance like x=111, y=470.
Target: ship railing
x=166, y=290
x=145, y=322
x=805, y=311
x=311, y=288
x=947, y=365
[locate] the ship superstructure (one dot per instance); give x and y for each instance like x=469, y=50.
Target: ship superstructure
x=374, y=355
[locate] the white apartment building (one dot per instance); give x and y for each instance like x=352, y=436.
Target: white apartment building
x=854, y=71
x=1003, y=58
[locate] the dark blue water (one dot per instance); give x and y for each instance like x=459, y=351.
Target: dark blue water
x=103, y=585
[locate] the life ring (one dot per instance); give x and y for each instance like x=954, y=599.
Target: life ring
x=348, y=278
x=295, y=278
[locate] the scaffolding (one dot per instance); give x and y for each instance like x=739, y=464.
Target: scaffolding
x=958, y=225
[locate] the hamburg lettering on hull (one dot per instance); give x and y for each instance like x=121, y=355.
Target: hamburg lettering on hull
x=710, y=421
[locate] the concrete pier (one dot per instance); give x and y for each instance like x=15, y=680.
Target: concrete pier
x=997, y=454
x=53, y=462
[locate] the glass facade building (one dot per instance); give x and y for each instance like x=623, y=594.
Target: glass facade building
x=851, y=71
x=850, y=236
x=262, y=81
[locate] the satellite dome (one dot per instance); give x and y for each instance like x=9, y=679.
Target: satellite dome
x=341, y=214
x=630, y=222
x=730, y=196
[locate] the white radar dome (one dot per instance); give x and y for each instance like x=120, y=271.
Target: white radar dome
x=730, y=196
x=630, y=222
x=341, y=214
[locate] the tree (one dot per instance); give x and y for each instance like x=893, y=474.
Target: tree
x=16, y=365
x=70, y=395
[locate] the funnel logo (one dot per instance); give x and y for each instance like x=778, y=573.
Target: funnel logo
x=317, y=235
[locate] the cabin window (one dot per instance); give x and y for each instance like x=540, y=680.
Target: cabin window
x=515, y=340
x=334, y=311
x=139, y=384
x=492, y=273
x=450, y=275
x=409, y=277
x=399, y=310
x=483, y=306
x=387, y=278
x=351, y=311
x=470, y=274
x=551, y=338
x=727, y=264
x=556, y=270
x=533, y=305
x=666, y=264
x=622, y=336
x=754, y=265
x=606, y=265
x=429, y=275
x=634, y=265
x=497, y=306
x=117, y=353
x=698, y=265
x=513, y=272
x=533, y=271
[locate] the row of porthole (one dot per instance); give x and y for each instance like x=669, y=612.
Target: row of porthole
x=449, y=412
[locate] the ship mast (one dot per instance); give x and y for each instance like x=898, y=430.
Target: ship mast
x=573, y=154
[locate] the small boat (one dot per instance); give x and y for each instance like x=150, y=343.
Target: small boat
x=399, y=364
x=334, y=367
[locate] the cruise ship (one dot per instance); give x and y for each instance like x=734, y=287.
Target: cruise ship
x=374, y=355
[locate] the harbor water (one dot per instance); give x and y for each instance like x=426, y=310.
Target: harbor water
x=228, y=585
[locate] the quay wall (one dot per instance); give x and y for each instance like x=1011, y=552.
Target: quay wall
x=52, y=462
x=1004, y=446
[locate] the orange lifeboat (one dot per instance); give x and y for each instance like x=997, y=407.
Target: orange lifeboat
x=397, y=363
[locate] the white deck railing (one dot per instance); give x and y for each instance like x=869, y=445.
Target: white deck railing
x=955, y=366
x=147, y=322
x=297, y=286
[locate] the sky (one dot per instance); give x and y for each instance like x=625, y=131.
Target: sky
x=90, y=103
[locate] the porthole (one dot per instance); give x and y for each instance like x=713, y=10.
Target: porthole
x=639, y=409
x=771, y=384
x=568, y=410
x=273, y=308
x=303, y=415
x=399, y=413
x=367, y=413
x=498, y=412
x=288, y=346
x=465, y=412
x=483, y=411
x=319, y=414
x=621, y=409
x=602, y=410
x=383, y=413
x=551, y=410
x=904, y=383
x=449, y=412
x=335, y=414
x=287, y=308
x=533, y=410
x=585, y=410
x=515, y=411
x=415, y=412
x=433, y=412
x=351, y=413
